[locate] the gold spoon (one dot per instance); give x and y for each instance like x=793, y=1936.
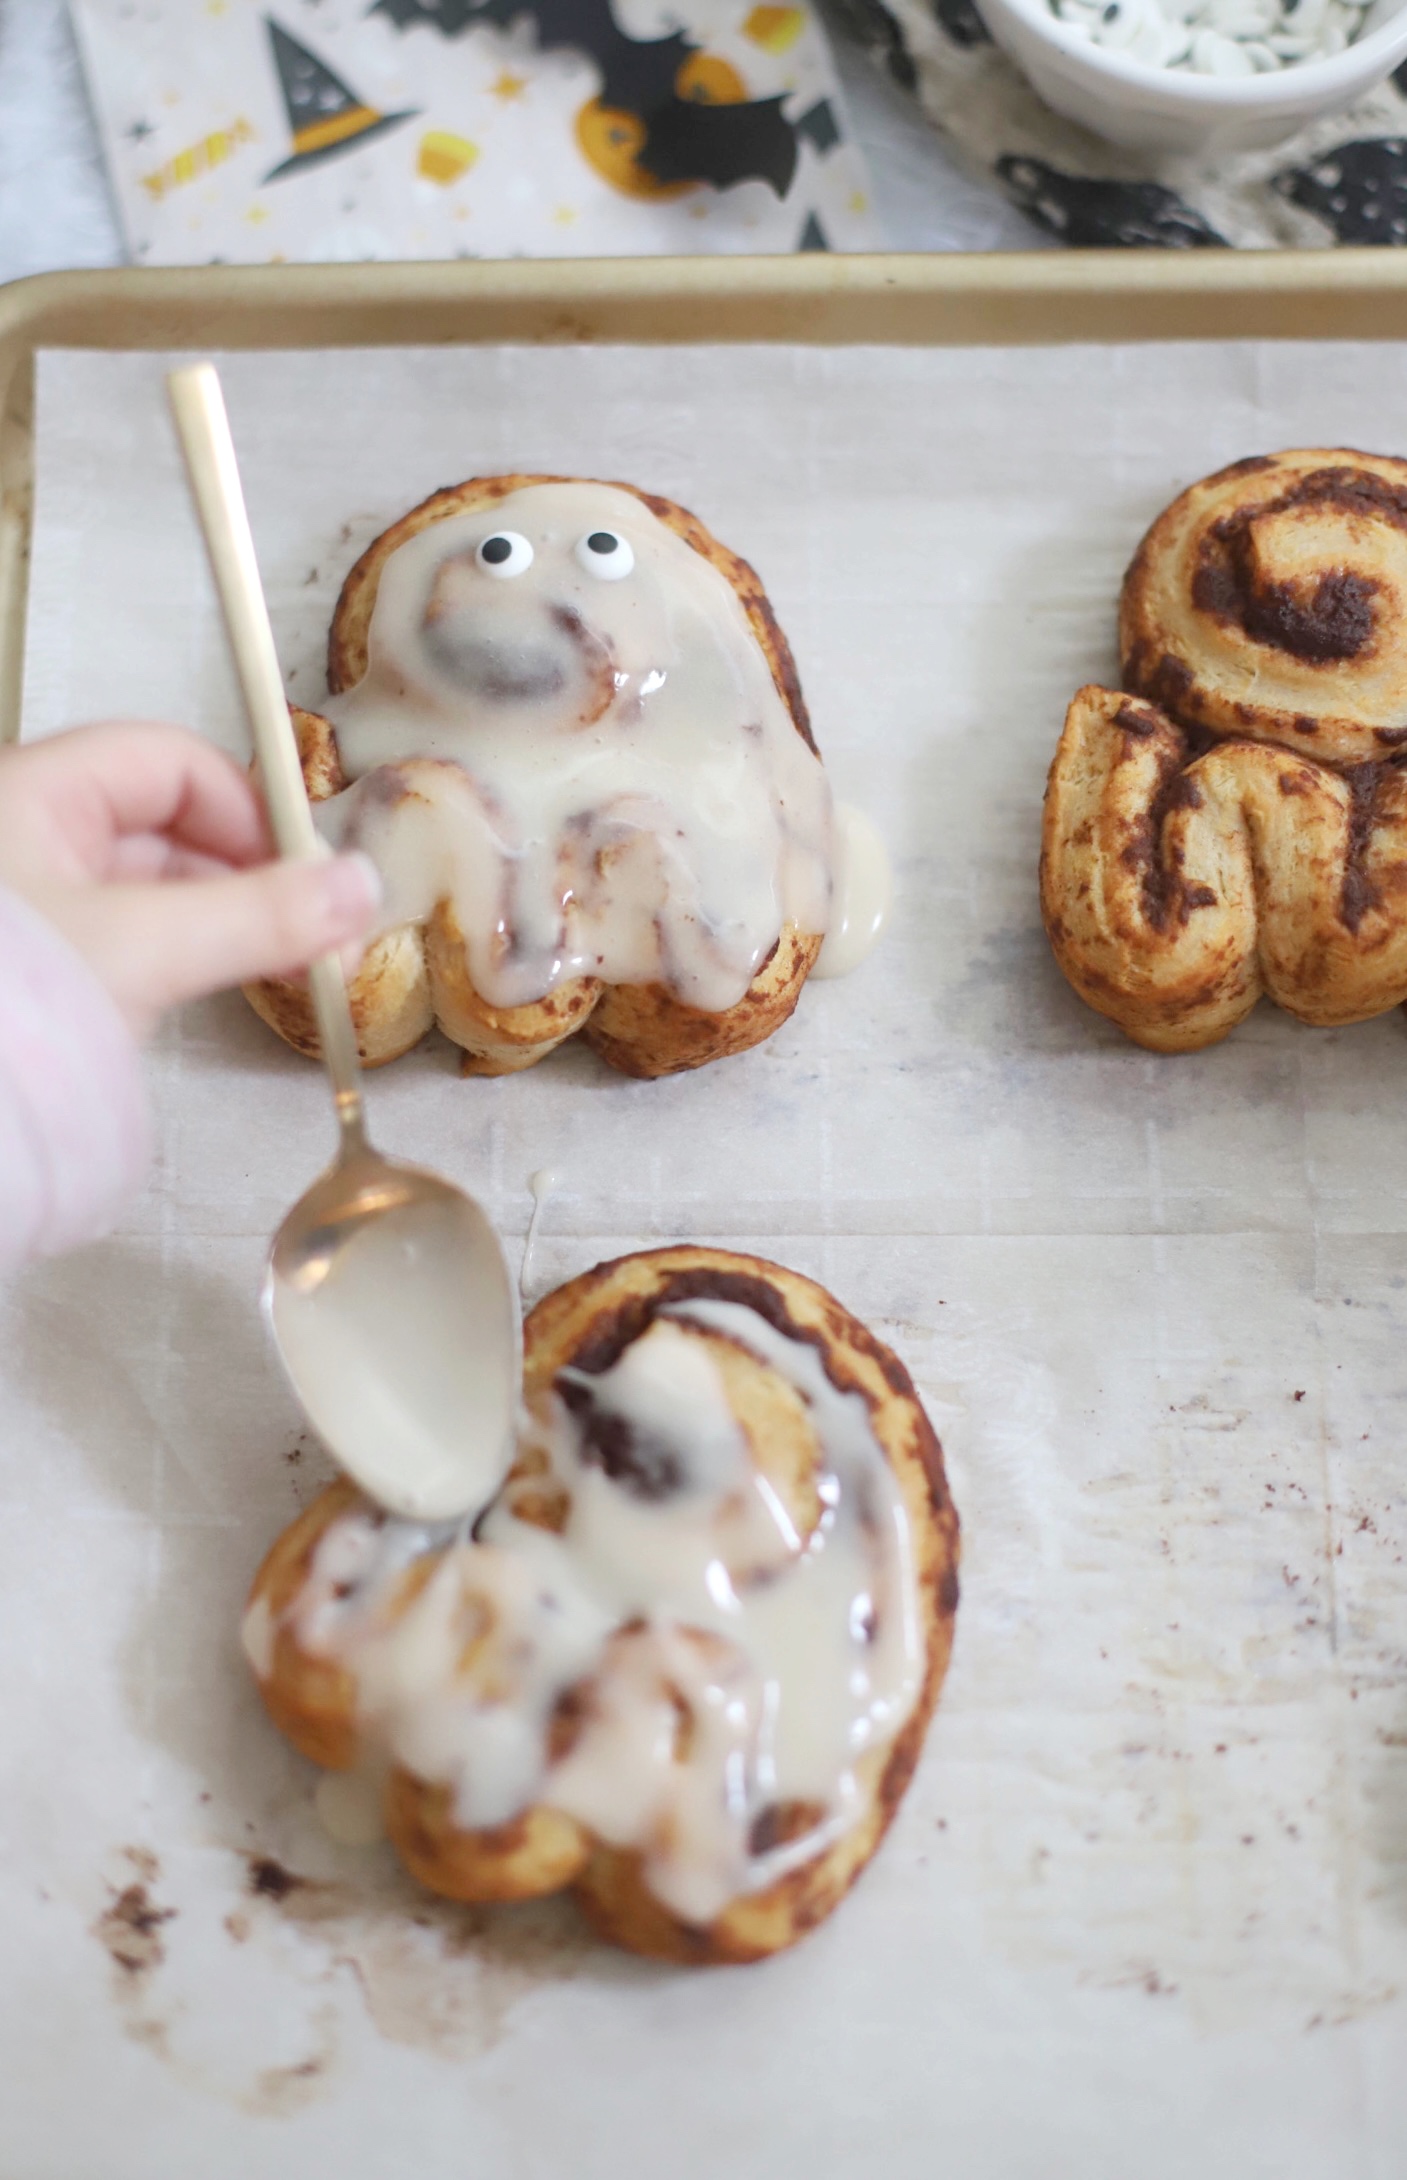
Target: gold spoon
x=388, y=1294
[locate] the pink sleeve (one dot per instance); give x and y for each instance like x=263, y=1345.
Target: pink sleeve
x=73, y=1118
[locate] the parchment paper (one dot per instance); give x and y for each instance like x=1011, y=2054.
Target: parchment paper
x=1145, y=1910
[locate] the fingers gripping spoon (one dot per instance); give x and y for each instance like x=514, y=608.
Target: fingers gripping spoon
x=390, y=1300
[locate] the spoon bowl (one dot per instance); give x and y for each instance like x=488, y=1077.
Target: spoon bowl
x=390, y=1302
x=384, y=1260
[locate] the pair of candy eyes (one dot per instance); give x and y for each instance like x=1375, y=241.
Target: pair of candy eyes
x=603, y=553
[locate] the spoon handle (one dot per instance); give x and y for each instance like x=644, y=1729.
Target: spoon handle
x=203, y=428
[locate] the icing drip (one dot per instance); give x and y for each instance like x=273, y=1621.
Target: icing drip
x=862, y=896
x=579, y=748
x=689, y=1667
x=540, y=1187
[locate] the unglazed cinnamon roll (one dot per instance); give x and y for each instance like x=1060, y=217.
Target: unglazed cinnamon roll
x=685, y=1661
x=1271, y=601
x=1238, y=824
x=565, y=723
x=1177, y=887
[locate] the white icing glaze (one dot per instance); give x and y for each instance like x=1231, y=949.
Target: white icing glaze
x=540, y=1184
x=863, y=893
x=584, y=754
x=685, y=1589
x=414, y=1287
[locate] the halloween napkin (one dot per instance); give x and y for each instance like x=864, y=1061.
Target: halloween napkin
x=356, y=129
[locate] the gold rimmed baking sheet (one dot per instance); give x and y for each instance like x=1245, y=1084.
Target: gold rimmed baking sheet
x=1001, y=297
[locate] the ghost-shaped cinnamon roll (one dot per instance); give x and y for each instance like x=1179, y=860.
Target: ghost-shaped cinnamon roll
x=565, y=724
x=684, y=1663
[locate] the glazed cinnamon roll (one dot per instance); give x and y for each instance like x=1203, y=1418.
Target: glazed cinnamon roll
x=1236, y=825
x=684, y=1663
x=1270, y=601
x=565, y=723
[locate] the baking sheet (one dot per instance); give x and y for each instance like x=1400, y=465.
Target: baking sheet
x=1144, y=1909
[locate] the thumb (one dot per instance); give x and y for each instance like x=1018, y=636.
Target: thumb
x=156, y=945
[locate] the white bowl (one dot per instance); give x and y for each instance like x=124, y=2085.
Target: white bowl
x=1170, y=109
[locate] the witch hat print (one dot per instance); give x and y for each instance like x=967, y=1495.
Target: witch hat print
x=324, y=116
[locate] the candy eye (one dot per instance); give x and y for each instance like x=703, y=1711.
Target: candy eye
x=505, y=553
x=607, y=554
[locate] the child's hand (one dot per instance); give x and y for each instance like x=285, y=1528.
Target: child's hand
x=149, y=851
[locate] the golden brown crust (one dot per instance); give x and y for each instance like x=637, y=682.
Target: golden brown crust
x=310, y=1699
x=643, y=1030
x=390, y=996
x=412, y=980
x=497, y=1040
x=587, y=1324
x=1177, y=888
x=539, y=1852
x=1270, y=602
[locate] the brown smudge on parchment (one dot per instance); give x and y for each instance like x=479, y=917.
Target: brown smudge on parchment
x=130, y=1927
x=131, y=1930
x=434, y=1975
x=270, y=1880
x=277, y=2091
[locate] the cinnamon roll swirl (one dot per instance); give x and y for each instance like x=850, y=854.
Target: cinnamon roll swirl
x=1270, y=601
x=684, y=1663
x=565, y=723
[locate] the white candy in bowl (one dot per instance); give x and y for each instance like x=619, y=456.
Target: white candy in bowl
x=1199, y=75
